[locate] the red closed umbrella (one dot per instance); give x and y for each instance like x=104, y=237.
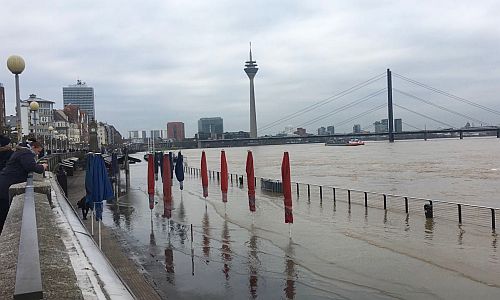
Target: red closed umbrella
x=204, y=174
x=250, y=181
x=287, y=188
x=223, y=175
x=151, y=181
x=167, y=187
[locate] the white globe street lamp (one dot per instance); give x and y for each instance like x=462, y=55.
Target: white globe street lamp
x=50, y=132
x=34, y=106
x=56, y=133
x=16, y=65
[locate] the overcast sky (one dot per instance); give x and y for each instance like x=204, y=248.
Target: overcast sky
x=155, y=61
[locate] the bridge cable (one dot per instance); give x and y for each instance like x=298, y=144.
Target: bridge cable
x=441, y=107
x=422, y=115
x=323, y=102
x=342, y=108
x=358, y=115
x=409, y=125
x=457, y=98
x=373, y=109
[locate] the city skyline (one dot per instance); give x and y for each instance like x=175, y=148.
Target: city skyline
x=310, y=51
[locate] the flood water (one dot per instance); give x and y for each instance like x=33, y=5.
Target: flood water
x=336, y=251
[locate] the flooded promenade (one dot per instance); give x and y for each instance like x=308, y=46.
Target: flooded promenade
x=335, y=252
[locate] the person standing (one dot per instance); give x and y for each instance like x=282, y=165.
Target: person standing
x=5, y=151
x=20, y=164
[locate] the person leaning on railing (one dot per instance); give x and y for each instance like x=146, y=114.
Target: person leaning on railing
x=5, y=151
x=21, y=163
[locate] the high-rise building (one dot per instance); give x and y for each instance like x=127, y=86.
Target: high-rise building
x=133, y=134
x=143, y=134
x=330, y=129
x=175, y=130
x=322, y=131
x=381, y=126
x=398, y=125
x=155, y=134
x=251, y=69
x=82, y=95
x=356, y=128
x=211, y=125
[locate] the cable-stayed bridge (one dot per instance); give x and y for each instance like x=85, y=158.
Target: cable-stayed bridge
x=412, y=100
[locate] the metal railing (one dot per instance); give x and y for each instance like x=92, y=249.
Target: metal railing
x=28, y=275
x=448, y=210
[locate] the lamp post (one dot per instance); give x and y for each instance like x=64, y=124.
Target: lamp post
x=16, y=65
x=55, y=133
x=34, y=106
x=50, y=133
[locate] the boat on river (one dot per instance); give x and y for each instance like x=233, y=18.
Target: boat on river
x=344, y=142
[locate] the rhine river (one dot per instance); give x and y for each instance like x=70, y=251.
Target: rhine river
x=335, y=252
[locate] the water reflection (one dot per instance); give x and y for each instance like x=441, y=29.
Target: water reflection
x=152, y=240
x=169, y=262
x=407, y=222
x=460, y=236
x=429, y=228
x=290, y=272
x=226, y=250
x=253, y=264
x=181, y=215
x=118, y=211
x=205, y=224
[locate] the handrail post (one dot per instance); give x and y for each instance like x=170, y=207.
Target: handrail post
x=459, y=213
x=297, y=189
x=406, y=205
x=320, y=192
x=366, y=199
x=493, y=218
x=334, y=196
x=349, y=197
x=308, y=190
x=385, y=202
x=28, y=275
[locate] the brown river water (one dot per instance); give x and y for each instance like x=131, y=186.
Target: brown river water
x=336, y=251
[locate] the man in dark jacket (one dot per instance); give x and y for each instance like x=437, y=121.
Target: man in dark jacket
x=5, y=151
x=20, y=164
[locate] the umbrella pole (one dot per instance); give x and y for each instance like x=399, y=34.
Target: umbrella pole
x=99, y=223
x=92, y=221
x=290, y=230
x=253, y=219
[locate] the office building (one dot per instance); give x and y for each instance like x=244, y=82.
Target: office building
x=356, y=128
x=133, y=134
x=398, y=125
x=143, y=135
x=211, y=125
x=330, y=130
x=175, y=130
x=322, y=131
x=381, y=126
x=82, y=95
x=155, y=134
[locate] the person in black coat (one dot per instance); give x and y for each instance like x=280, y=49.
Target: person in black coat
x=20, y=164
x=5, y=151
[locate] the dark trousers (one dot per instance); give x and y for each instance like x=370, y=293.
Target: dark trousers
x=4, y=210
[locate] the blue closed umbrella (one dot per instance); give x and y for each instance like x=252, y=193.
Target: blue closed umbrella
x=97, y=184
x=179, y=169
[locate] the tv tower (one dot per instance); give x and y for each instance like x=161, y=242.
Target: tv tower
x=251, y=69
